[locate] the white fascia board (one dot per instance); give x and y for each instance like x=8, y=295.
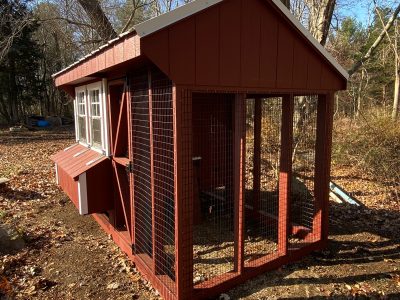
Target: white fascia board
x=56, y=167
x=82, y=194
x=180, y=13
x=313, y=41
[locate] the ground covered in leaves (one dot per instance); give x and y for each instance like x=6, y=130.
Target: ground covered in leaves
x=57, y=254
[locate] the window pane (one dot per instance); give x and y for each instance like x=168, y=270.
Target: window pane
x=81, y=104
x=96, y=132
x=82, y=128
x=96, y=109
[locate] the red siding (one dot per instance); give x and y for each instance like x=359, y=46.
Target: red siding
x=207, y=45
x=243, y=44
x=123, y=50
x=285, y=57
x=182, y=55
x=229, y=53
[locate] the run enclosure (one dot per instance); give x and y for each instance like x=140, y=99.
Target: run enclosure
x=219, y=122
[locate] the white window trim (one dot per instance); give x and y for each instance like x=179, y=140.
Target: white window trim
x=79, y=90
x=105, y=144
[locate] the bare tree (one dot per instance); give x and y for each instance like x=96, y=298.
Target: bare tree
x=395, y=110
x=17, y=25
x=377, y=42
x=99, y=20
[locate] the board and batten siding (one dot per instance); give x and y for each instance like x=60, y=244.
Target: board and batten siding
x=240, y=43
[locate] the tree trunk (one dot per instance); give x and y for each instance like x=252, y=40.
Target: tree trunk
x=320, y=18
x=286, y=3
x=395, y=110
x=375, y=45
x=12, y=91
x=99, y=19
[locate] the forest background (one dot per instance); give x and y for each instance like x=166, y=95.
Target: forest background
x=40, y=37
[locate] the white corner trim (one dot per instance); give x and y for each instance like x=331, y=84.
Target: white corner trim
x=164, y=20
x=309, y=36
x=105, y=111
x=82, y=194
x=56, y=167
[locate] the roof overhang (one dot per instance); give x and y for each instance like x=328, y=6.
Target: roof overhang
x=117, y=51
x=127, y=45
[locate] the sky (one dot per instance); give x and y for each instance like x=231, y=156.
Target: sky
x=360, y=9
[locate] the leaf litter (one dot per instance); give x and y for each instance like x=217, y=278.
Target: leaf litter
x=67, y=256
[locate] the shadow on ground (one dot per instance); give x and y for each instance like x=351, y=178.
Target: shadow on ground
x=364, y=247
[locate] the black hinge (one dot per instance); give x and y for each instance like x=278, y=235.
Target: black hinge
x=129, y=167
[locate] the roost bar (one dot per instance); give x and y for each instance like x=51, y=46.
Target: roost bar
x=203, y=143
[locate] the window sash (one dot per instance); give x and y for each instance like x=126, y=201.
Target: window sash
x=90, y=114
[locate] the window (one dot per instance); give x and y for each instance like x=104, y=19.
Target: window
x=81, y=107
x=95, y=119
x=92, y=128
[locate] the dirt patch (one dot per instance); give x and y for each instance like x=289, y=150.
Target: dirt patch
x=67, y=256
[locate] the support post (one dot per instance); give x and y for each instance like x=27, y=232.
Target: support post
x=285, y=173
x=322, y=166
x=182, y=101
x=130, y=154
x=327, y=168
x=239, y=167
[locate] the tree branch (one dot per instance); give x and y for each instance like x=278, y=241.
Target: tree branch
x=371, y=50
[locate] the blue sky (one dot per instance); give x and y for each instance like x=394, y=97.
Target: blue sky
x=358, y=10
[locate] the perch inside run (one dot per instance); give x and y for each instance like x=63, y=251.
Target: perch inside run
x=203, y=143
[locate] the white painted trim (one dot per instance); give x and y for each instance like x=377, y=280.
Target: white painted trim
x=78, y=90
x=81, y=152
x=180, y=13
x=82, y=194
x=94, y=160
x=106, y=122
x=93, y=87
x=70, y=147
x=56, y=168
x=148, y=27
x=308, y=35
x=76, y=117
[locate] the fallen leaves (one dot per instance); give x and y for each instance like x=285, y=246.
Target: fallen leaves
x=5, y=287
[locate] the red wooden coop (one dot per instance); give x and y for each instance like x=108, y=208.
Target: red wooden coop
x=203, y=142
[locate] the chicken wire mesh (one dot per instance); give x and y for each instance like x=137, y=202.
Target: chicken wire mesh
x=163, y=166
x=153, y=171
x=213, y=232
x=263, y=143
x=142, y=186
x=303, y=199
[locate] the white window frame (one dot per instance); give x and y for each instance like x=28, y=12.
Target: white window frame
x=78, y=90
x=101, y=86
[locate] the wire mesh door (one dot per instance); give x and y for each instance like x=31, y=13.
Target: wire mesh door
x=303, y=194
x=153, y=172
x=263, y=144
x=213, y=232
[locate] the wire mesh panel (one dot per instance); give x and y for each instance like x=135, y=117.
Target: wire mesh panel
x=213, y=232
x=163, y=164
x=249, y=160
x=263, y=203
x=303, y=168
x=142, y=164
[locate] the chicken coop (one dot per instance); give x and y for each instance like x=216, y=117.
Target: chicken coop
x=203, y=143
